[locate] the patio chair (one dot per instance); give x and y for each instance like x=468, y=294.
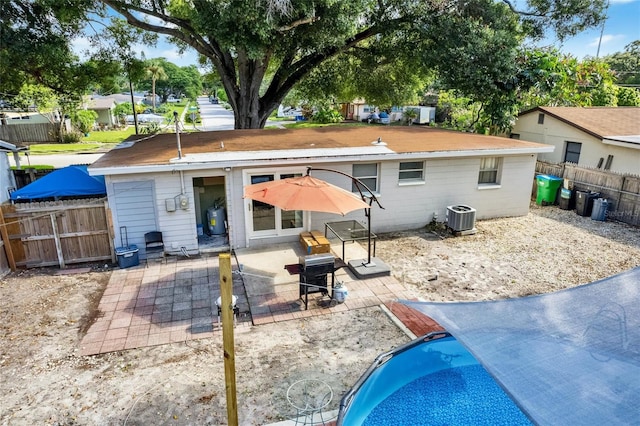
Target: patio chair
x=154, y=245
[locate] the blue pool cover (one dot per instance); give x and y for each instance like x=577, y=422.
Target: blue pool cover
x=569, y=357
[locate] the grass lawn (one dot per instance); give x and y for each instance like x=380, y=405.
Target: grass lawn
x=109, y=136
x=53, y=148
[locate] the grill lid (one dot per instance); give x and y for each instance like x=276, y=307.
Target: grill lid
x=317, y=260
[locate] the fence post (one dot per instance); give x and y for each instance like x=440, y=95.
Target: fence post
x=226, y=295
x=56, y=237
x=7, y=243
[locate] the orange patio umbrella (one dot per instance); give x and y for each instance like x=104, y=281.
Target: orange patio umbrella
x=305, y=193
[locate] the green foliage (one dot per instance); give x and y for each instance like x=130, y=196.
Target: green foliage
x=150, y=128
x=84, y=120
x=626, y=65
x=409, y=115
x=628, y=96
x=327, y=115
x=548, y=77
x=458, y=112
x=71, y=137
x=385, y=50
x=122, y=110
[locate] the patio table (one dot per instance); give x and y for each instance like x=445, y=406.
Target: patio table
x=349, y=230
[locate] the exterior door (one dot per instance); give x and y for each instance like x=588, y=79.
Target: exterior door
x=266, y=219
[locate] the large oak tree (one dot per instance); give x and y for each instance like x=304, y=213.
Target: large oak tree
x=262, y=48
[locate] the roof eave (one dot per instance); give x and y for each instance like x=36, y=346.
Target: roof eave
x=208, y=165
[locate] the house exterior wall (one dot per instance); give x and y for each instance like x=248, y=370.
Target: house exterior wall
x=105, y=117
x=31, y=117
x=447, y=181
x=558, y=133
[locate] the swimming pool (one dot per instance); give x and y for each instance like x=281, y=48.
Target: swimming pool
x=430, y=381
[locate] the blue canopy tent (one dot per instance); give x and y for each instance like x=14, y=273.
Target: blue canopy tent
x=71, y=181
x=571, y=357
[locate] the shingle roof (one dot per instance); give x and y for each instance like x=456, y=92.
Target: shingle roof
x=598, y=121
x=101, y=103
x=161, y=148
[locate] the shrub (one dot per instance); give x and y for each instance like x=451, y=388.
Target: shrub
x=151, y=128
x=327, y=115
x=72, y=137
x=85, y=120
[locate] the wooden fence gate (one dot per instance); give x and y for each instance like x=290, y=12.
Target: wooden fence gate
x=56, y=233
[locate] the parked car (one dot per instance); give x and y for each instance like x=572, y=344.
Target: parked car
x=173, y=99
x=146, y=118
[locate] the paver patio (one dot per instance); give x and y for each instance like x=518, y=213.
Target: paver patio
x=175, y=300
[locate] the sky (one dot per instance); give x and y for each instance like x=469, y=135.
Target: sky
x=621, y=28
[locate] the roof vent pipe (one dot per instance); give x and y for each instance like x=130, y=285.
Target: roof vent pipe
x=175, y=117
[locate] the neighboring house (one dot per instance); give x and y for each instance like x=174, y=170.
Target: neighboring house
x=104, y=107
x=359, y=110
x=416, y=173
x=7, y=179
x=10, y=117
x=601, y=137
x=126, y=97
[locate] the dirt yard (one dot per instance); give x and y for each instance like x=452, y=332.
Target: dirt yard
x=43, y=317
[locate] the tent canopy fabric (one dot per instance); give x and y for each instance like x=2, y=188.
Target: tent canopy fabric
x=71, y=181
x=569, y=357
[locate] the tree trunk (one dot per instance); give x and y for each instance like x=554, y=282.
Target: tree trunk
x=243, y=91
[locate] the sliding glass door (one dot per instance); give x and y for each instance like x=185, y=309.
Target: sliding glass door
x=266, y=219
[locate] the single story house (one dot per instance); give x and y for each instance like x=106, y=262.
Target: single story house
x=104, y=107
x=167, y=182
x=600, y=137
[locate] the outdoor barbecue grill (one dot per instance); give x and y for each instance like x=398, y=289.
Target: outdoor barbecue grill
x=314, y=270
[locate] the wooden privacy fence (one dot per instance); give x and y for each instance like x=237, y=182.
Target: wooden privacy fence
x=33, y=132
x=56, y=233
x=621, y=190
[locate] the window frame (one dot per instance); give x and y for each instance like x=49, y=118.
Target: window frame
x=364, y=179
x=572, y=152
x=496, y=182
x=411, y=180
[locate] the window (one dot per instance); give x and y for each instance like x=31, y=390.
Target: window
x=269, y=220
x=572, y=152
x=489, y=170
x=368, y=174
x=540, y=118
x=411, y=171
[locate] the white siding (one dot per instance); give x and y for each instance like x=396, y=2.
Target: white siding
x=133, y=206
x=557, y=133
x=447, y=181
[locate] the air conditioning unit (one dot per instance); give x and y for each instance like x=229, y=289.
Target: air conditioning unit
x=461, y=218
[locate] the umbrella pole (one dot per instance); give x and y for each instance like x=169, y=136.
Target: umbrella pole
x=368, y=214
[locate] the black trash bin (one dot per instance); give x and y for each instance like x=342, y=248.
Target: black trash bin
x=584, y=202
x=567, y=199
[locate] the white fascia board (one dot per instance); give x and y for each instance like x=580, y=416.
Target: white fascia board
x=303, y=156
x=632, y=142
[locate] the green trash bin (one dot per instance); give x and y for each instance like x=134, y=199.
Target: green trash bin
x=547, y=189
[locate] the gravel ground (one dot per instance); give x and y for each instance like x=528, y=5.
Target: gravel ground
x=44, y=315
x=547, y=250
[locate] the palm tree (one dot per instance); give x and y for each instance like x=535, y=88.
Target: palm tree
x=155, y=72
